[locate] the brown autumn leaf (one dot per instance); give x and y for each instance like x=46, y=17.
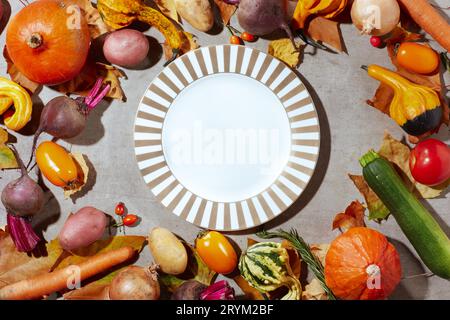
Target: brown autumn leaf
x=352, y=217
x=16, y=266
x=249, y=292
x=83, y=173
x=314, y=291
x=283, y=50
x=7, y=158
x=326, y=31
x=97, y=26
x=168, y=8
x=377, y=209
x=320, y=251
x=17, y=76
x=226, y=10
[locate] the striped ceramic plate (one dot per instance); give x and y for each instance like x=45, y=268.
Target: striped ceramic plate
x=227, y=137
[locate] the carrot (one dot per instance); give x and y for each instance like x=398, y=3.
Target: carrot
x=429, y=19
x=40, y=285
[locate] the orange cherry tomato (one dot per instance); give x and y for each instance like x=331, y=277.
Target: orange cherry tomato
x=56, y=164
x=235, y=40
x=417, y=58
x=216, y=251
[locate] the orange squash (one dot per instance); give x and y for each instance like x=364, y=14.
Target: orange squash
x=48, y=41
x=362, y=265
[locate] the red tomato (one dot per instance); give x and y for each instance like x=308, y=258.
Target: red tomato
x=429, y=162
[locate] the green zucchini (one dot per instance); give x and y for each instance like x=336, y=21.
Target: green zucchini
x=421, y=229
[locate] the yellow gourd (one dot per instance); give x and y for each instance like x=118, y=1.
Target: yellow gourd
x=417, y=109
x=13, y=94
x=325, y=8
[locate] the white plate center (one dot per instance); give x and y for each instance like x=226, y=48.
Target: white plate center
x=226, y=137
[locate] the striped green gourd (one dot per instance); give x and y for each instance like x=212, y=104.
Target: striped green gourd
x=266, y=268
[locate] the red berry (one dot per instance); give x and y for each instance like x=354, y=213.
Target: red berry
x=376, y=41
x=120, y=209
x=130, y=220
x=247, y=36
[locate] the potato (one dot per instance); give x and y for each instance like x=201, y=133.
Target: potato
x=81, y=229
x=198, y=13
x=126, y=48
x=168, y=251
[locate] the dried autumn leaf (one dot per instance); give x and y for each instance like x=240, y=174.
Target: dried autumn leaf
x=320, y=251
x=314, y=291
x=326, y=31
x=284, y=50
x=352, y=217
x=377, y=209
x=16, y=266
x=294, y=259
x=226, y=10
x=7, y=158
x=189, y=44
x=17, y=76
x=83, y=172
x=101, y=246
x=398, y=153
x=97, y=26
x=168, y=8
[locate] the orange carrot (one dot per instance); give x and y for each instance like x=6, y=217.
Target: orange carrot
x=40, y=285
x=429, y=19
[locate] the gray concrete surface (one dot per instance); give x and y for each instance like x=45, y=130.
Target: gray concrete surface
x=349, y=128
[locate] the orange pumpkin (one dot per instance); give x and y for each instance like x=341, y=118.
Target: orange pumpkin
x=362, y=265
x=48, y=41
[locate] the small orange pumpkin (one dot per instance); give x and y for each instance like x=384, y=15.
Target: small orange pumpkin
x=49, y=41
x=362, y=265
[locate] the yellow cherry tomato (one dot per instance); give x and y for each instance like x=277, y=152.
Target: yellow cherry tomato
x=417, y=58
x=56, y=164
x=216, y=251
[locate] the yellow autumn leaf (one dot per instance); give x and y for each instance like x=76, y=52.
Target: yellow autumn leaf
x=7, y=158
x=168, y=8
x=285, y=51
x=83, y=172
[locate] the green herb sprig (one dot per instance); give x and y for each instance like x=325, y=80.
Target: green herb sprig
x=305, y=253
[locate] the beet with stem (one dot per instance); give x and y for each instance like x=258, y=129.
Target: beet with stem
x=262, y=17
x=65, y=118
x=22, y=199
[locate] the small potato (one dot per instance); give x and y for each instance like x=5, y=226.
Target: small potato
x=198, y=13
x=81, y=229
x=126, y=48
x=168, y=251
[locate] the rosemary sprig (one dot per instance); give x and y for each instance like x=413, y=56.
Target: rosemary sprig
x=305, y=252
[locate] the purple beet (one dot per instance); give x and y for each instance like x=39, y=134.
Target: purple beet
x=65, y=118
x=22, y=199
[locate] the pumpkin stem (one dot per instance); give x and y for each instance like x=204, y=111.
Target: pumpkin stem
x=35, y=40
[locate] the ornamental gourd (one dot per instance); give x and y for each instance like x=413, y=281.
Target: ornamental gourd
x=266, y=267
x=417, y=109
x=48, y=41
x=362, y=265
x=12, y=94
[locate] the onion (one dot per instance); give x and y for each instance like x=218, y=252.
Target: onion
x=375, y=17
x=22, y=199
x=135, y=283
